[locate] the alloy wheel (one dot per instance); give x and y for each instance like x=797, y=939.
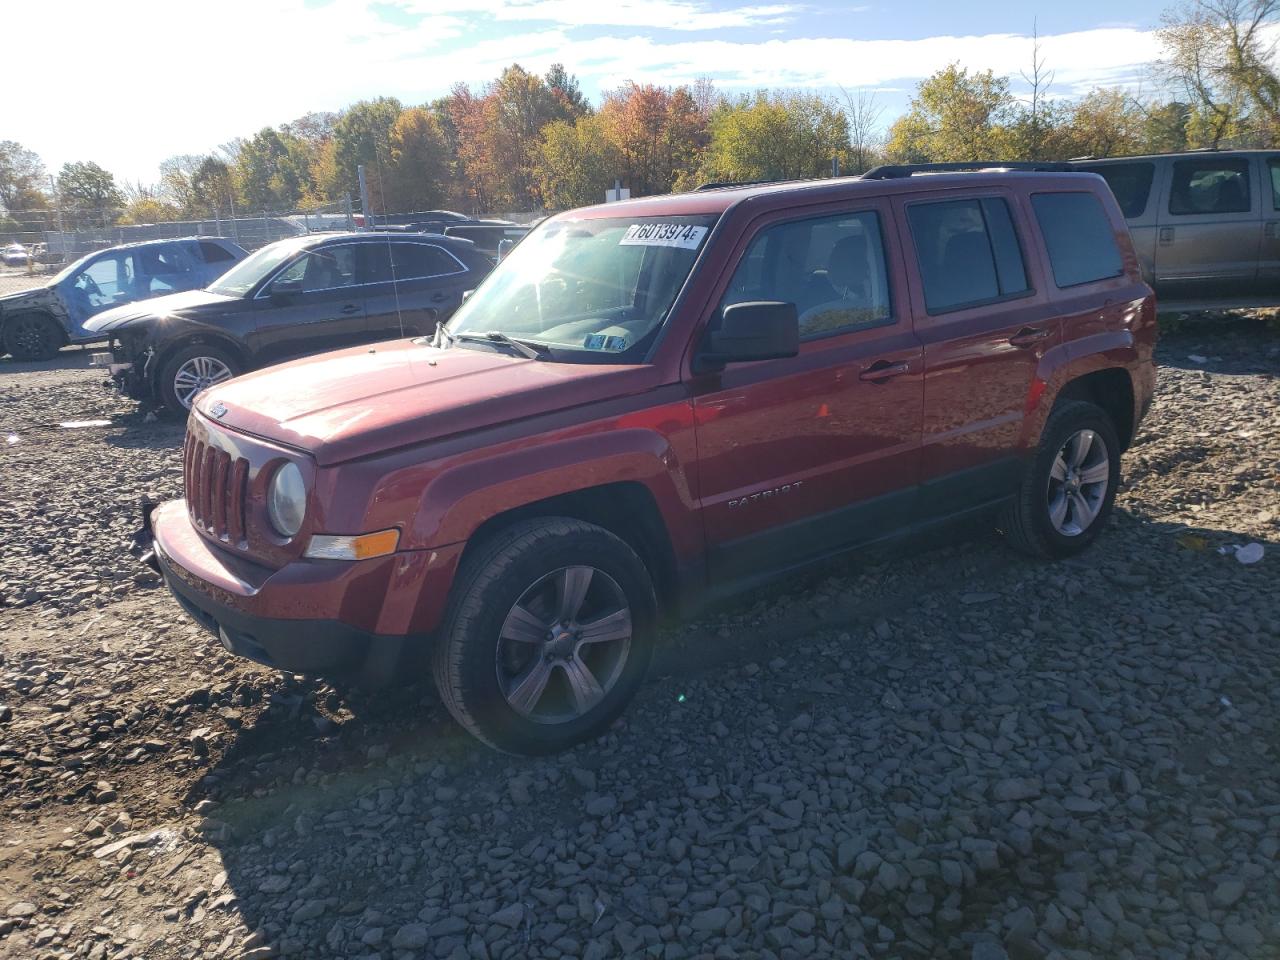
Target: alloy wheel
x=564, y=644
x=1078, y=483
x=197, y=374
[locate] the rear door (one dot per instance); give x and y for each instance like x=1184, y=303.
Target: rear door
x=325, y=312
x=414, y=284
x=801, y=456
x=985, y=321
x=1211, y=223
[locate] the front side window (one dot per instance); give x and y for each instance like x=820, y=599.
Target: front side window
x=598, y=286
x=326, y=268
x=1211, y=185
x=1081, y=244
x=1130, y=182
x=108, y=280
x=968, y=252
x=253, y=269
x=832, y=268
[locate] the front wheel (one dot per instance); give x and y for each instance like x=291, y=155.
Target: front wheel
x=32, y=336
x=1070, y=487
x=190, y=370
x=547, y=637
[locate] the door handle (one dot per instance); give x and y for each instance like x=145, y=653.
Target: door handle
x=350, y=308
x=1272, y=230
x=1028, y=336
x=883, y=370
x=1166, y=236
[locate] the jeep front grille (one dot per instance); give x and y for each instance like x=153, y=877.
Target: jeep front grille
x=217, y=486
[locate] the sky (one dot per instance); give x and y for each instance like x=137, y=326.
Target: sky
x=130, y=84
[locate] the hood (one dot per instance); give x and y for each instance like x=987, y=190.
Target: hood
x=366, y=400
x=187, y=303
x=31, y=293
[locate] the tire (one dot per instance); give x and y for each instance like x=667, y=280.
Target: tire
x=33, y=336
x=1038, y=521
x=176, y=396
x=531, y=566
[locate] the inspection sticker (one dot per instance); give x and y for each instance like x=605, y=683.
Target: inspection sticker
x=684, y=235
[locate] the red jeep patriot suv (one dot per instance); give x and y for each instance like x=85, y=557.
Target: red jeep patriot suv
x=664, y=399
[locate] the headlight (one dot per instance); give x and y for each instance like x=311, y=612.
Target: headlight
x=287, y=500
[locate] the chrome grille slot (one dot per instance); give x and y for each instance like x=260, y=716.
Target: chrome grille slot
x=216, y=486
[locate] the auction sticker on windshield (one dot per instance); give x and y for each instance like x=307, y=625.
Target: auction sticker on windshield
x=683, y=235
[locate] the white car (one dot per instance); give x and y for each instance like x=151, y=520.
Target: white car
x=15, y=255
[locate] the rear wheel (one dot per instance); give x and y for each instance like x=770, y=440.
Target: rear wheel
x=190, y=370
x=548, y=636
x=1068, y=492
x=32, y=336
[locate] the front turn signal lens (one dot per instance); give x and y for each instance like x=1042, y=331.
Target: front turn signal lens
x=325, y=546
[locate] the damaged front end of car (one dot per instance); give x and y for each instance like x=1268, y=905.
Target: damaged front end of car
x=129, y=362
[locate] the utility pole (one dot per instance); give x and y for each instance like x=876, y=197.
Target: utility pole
x=364, y=197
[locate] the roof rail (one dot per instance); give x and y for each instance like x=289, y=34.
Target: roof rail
x=897, y=171
x=723, y=184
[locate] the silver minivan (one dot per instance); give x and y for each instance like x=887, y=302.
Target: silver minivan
x=1202, y=222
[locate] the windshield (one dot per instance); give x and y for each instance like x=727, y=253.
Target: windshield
x=246, y=274
x=601, y=286
x=73, y=267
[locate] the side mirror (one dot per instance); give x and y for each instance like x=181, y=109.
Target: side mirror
x=504, y=247
x=757, y=330
x=284, y=290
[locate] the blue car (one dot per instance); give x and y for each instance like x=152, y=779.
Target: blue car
x=36, y=323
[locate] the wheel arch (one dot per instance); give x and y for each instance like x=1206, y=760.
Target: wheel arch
x=625, y=508
x=7, y=316
x=166, y=352
x=1110, y=388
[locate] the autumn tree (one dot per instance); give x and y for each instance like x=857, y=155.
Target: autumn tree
x=211, y=189
x=1105, y=122
x=657, y=133
x=362, y=136
x=955, y=115
x=474, y=122
x=1220, y=54
x=564, y=87
x=21, y=178
x=418, y=173
x=775, y=136
x=272, y=170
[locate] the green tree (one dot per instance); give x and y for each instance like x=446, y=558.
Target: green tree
x=272, y=170
x=564, y=87
x=148, y=209
x=955, y=116
x=576, y=163
x=1105, y=122
x=776, y=136
x=211, y=189
x=89, y=192
x=362, y=136
x=418, y=174
x=522, y=105
x=21, y=178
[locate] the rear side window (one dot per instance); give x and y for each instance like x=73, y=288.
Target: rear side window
x=1209, y=185
x=831, y=268
x=1081, y=244
x=1130, y=182
x=213, y=253
x=968, y=252
x=410, y=260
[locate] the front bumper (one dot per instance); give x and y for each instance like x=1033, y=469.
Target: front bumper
x=309, y=616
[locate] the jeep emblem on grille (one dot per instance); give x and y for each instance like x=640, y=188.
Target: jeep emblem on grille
x=218, y=410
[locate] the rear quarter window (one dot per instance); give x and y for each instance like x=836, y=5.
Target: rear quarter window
x=214, y=253
x=1078, y=236
x=1130, y=182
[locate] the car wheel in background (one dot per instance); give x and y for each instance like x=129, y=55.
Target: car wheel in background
x=190, y=370
x=548, y=635
x=1070, y=488
x=32, y=336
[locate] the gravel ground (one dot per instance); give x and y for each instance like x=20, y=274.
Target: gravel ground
x=939, y=751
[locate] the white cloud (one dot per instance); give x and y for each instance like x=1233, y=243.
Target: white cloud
x=129, y=89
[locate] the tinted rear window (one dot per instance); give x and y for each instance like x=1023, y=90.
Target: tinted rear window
x=1130, y=182
x=968, y=252
x=1082, y=245
x=1210, y=185
x=213, y=253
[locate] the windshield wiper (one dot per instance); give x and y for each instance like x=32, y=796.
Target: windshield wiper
x=526, y=348
x=443, y=336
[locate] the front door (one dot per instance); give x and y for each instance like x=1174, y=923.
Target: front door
x=1269, y=254
x=315, y=304
x=1210, y=226
x=985, y=323
x=802, y=456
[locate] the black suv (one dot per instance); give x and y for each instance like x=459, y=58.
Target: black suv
x=291, y=298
